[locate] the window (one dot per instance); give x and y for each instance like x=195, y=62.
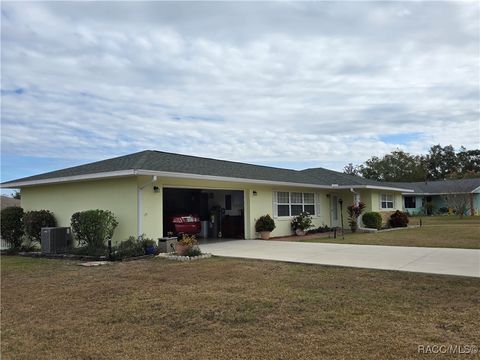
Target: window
x=293, y=203
x=386, y=201
x=410, y=202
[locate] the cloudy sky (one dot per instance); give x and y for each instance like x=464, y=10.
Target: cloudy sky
x=293, y=84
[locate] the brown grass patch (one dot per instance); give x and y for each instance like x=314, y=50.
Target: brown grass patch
x=224, y=309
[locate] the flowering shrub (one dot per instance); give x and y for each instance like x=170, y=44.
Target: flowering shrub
x=398, y=219
x=354, y=212
x=302, y=222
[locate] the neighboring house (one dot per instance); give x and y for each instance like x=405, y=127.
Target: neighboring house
x=7, y=201
x=143, y=189
x=435, y=193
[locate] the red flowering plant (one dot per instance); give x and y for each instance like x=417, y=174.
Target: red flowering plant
x=354, y=212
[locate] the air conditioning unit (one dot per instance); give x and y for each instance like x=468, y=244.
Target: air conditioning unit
x=56, y=240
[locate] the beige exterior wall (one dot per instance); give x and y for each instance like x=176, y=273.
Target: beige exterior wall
x=117, y=195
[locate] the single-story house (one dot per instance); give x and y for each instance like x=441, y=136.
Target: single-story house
x=435, y=193
x=145, y=188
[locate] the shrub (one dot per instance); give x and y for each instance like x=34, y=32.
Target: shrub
x=398, y=219
x=93, y=227
x=429, y=208
x=372, y=220
x=193, y=251
x=34, y=221
x=11, y=229
x=354, y=211
x=131, y=247
x=264, y=223
x=188, y=240
x=303, y=221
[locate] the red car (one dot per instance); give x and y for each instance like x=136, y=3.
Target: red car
x=184, y=224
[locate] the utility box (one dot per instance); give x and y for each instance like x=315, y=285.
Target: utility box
x=167, y=244
x=56, y=240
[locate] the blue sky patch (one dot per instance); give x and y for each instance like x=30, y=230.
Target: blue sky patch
x=402, y=138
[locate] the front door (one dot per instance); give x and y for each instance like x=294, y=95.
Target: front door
x=334, y=210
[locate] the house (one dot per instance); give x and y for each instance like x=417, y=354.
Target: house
x=145, y=188
x=434, y=193
x=7, y=201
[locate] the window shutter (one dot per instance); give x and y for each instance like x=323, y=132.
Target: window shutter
x=317, y=204
x=380, y=201
x=274, y=204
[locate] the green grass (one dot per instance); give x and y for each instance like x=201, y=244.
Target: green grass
x=226, y=308
x=439, y=231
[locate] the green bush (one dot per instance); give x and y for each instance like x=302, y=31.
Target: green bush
x=34, y=221
x=372, y=220
x=131, y=247
x=398, y=219
x=11, y=229
x=193, y=251
x=264, y=223
x=93, y=227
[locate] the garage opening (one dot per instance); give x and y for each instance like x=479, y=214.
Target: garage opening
x=210, y=214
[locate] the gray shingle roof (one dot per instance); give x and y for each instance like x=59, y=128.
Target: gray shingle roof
x=177, y=163
x=441, y=186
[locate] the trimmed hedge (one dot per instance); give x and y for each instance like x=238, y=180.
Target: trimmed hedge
x=372, y=220
x=93, y=227
x=34, y=221
x=398, y=219
x=11, y=229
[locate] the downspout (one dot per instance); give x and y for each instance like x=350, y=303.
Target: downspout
x=139, y=205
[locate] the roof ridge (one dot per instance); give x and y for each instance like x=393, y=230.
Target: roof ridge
x=223, y=160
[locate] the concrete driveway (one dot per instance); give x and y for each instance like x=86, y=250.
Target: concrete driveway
x=463, y=262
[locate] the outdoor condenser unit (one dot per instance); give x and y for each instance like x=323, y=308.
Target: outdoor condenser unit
x=56, y=240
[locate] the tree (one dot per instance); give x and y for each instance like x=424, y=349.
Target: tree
x=397, y=166
x=458, y=202
x=16, y=195
x=350, y=169
x=441, y=162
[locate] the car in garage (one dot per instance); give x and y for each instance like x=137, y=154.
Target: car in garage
x=187, y=224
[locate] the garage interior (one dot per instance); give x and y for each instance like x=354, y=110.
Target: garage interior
x=221, y=212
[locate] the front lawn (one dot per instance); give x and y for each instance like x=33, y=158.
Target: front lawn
x=226, y=308
x=436, y=231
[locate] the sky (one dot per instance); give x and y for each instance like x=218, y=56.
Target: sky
x=289, y=84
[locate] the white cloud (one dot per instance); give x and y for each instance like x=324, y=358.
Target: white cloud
x=252, y=82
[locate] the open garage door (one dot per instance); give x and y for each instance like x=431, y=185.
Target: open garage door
x=220, y=213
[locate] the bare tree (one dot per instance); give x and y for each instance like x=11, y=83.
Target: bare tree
x=458, y=202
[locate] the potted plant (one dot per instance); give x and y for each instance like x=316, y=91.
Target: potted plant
x=354, y=212
x=149, y=246
x=264, y=225
x=185, y=244
x=301, y=223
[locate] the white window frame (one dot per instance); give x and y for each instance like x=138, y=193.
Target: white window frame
x=303, y=203
x=386, y=195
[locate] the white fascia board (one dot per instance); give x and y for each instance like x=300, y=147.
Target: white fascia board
x=373, y=187
x=228, y=179
x=103, y=175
